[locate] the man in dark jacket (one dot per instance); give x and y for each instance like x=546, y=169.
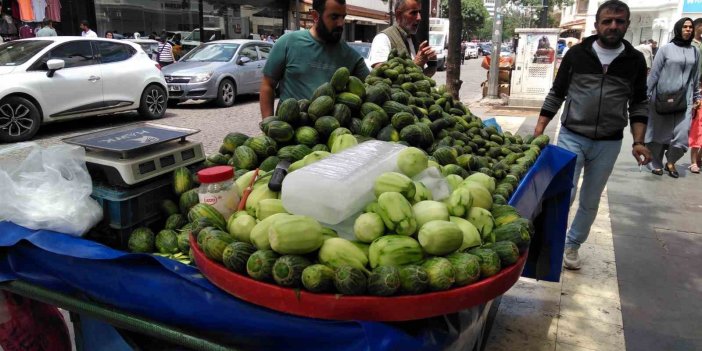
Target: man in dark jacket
x=598, y=80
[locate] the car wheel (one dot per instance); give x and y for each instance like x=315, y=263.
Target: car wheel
x=153, y=102
x=19, y=119
x=226, y=93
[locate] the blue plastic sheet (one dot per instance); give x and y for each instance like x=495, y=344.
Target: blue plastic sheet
x=176, y=294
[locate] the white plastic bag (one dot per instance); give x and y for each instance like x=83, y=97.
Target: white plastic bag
x=47, y=189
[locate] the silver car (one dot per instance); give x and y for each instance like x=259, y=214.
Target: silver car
x=218, y=71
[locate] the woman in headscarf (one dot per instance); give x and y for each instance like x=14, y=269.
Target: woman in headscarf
x=675, y=67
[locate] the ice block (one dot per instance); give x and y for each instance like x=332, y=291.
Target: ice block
x=335, y=188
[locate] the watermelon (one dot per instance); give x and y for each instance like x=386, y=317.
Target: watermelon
x=233, y=140
x=167, y=241
x=244, y=158
x=207, y=211
x=289, y=111
x=175, y=221
x=307, y=136
x=141, y=240
x=262, y=145
x=236, y=254
x=187, y=200
x=281, y=132
x=182, y=180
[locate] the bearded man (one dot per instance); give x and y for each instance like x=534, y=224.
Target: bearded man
x=303, y=60
x=399, y=37
x=603, y=84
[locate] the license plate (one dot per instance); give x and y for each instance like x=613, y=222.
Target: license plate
x=172, y=87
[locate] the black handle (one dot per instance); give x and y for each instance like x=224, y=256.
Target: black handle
x=279, y=173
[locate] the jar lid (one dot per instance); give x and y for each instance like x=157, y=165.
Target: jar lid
x=216, y=174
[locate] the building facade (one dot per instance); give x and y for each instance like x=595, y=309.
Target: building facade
x=232, y=19
x=650, y=19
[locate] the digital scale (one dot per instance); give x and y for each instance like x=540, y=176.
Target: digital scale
x=134, y=153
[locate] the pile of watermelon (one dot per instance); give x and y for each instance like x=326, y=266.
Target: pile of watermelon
x=396, y=103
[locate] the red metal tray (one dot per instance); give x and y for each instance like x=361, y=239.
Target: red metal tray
x=371, y=308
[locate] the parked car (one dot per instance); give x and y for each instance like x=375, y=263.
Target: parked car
x=218, y=71
x=52, y=79
x=485, y=49
x=363, y=49
x=149, y=46
x=471, y=51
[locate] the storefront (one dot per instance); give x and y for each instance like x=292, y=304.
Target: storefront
x=220, y=18
x=233, y=19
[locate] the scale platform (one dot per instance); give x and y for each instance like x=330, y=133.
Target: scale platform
x=134, y=153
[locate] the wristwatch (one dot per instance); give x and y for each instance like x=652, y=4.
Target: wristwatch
x=637, y=143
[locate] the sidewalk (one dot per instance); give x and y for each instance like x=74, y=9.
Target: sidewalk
x=640, y=287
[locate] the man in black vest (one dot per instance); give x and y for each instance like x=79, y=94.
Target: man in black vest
x=399, y=37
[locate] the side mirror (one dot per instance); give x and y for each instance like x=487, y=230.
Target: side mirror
x=54, y=65
x=242, y=60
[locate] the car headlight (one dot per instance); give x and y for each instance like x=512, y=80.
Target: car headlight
x=201, y=77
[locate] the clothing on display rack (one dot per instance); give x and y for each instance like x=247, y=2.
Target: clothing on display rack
x=26, y=31
x=39, y=8
x=26, y=11
x=7, y=25
x=53, y=10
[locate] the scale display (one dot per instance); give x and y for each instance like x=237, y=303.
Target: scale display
x=135, y=153
x=130, y=137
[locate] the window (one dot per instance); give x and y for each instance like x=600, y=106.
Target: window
x=113, y=52
x=213, y=52
x=582, y=6
x=75, y=54
x=250, y=52
x=18, y=52
x=264, y=51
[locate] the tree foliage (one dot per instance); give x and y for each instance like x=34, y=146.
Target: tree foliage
x=473, y=13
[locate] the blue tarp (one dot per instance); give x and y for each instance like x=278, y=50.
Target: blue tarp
x=176, y=294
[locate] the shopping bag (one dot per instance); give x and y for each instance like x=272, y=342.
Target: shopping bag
x=47, y=188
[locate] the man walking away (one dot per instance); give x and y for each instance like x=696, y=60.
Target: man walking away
x=86, y=31
x=599, y=80
x=47, y=30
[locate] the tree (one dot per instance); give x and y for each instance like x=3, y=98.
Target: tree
x=453, y=61
x=473, y=15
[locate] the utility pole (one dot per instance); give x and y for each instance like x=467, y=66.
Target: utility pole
x=201, y=19
x=297, y=14
x=493, y=82
x=544, y=14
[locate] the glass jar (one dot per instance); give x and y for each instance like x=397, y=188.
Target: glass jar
x=218, y=189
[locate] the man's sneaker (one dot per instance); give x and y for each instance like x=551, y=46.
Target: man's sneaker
x=571, y=259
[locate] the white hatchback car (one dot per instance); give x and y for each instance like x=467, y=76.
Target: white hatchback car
x=52, y=79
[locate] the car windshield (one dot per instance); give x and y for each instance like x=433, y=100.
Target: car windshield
x=15, y=53
x=436, y=39
x=211, y=53
x=363, y=50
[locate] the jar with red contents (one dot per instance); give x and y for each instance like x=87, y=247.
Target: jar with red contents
x=218, y=189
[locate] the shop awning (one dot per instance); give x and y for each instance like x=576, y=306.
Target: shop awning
x=365, y=19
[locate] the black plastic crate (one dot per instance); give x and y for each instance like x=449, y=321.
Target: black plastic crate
x=125, y=208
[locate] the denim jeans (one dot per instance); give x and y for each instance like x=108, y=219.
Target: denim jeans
x=597, y=158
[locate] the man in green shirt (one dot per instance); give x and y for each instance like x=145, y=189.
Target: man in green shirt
x=303, y=60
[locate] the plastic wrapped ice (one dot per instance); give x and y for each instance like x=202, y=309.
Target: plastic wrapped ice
x=335, y=188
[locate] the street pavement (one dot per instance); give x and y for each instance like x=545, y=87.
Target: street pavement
x=214, y=123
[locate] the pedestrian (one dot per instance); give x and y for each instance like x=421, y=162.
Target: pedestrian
x=566, y=48
x=399, y=37
x=177, y=46
x=673, y=88
x=47, y=29
x=85, y=30
x=654, y=47
x=645, y=49
x=599, y=80
x=109, y=35
x=464, y=46
x=695, y=136
x=303, y=60
x=164, y=53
